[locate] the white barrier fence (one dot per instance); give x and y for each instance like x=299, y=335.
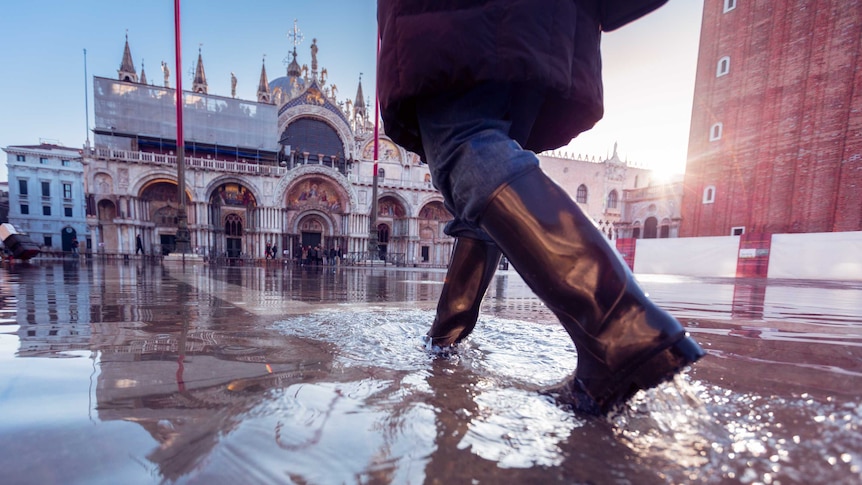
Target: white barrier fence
x=823, y=256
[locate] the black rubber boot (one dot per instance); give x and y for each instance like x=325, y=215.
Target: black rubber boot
x=471, y=268
x=624, y=341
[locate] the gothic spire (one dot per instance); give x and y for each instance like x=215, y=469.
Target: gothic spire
x=264, y=95
x=127, y=67
x=359, y=104
x=199, y=85
x=143, y=74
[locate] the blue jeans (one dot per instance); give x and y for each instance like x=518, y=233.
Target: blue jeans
x=473, y=145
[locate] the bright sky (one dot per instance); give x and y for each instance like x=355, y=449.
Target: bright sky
x=649, y=65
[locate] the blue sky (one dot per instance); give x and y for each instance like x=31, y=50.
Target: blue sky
x=649, y=65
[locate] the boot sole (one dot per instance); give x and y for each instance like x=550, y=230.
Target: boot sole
x=654, y=370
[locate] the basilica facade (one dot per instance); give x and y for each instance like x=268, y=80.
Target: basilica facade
x=291, y=170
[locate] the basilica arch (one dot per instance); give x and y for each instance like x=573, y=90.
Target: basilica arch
x=232, y=214
x=315, y=207
x=158, y=204
x=434, y=245
x=393, y=226
x=313, y=106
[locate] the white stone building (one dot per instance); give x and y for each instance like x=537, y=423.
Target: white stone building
x=46, y=194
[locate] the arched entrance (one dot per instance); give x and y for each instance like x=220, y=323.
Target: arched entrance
x=107, y=240
x=650, y=228
x=432, y=220
x=233, y=235
x=311, y=231
x=68, y=234
x=231, y=208
x=382, y=240
x=316, y=202
x=159, y=200
x=392, y=227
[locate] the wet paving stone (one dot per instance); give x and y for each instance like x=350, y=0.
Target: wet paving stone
x=139, y=373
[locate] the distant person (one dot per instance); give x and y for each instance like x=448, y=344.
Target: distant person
x=139, y=244
x=75, y=247
x=476, y=89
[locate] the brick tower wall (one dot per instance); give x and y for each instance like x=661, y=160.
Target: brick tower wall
x=790, y=106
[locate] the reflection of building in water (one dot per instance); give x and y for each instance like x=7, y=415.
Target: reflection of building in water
x=164, y=369
x=292, y=168
x=54, y=314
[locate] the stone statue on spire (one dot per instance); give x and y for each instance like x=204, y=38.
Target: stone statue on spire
x=314, y=56
x=167, y=72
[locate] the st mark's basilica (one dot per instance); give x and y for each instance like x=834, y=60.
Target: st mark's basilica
x=293, y=169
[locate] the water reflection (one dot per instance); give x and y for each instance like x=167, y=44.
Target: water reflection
x=317, y=375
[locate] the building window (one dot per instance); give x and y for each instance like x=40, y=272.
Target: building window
x=737, y=231
x=22, y=187
x=46, y=210
x=381, y=174
x=723, y=66
x=582, y=194
x=715, y=132
x=25, y=209
x=48, y=241
x=709, y=194
x=636, y=233
x=66, y=163
x=650, y=228
x=43, y=161
x=20, y=158
x=612, y=199
x=729, y=5
x=68, y=211
x=67, y=191
x=46, y=189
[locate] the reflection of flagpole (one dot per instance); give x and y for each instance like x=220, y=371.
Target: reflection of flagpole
x=372, y=232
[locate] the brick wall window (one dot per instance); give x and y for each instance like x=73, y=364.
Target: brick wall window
x=729, y=5
x=581, y=196
x=709, y=194
x=723, y=66
x=715, y=132
x=737, y=231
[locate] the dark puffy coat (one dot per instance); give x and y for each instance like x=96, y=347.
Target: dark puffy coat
x=432, y=46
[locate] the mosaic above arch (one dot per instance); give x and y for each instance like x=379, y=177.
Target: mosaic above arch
x=233, y=194
x=435, y=211
x=315, y=193
x=389, y=206
x=386, y=151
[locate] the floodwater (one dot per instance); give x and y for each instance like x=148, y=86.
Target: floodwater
x=134, y=373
